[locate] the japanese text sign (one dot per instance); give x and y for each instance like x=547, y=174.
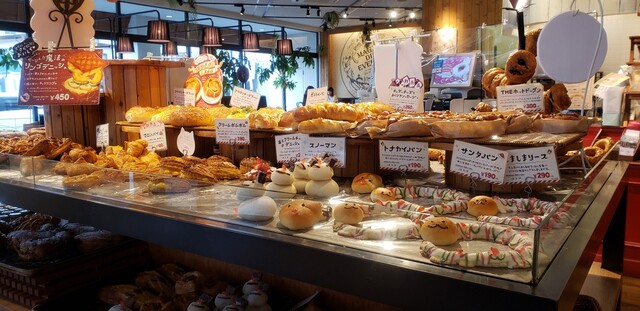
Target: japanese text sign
x=244, y=98
x=102, y=135
x=404, y=156
x=527, y=97
x=232, y=131
x=629, y=142
x=316, y=96
x=334, y=146
x=406, y=99
x=186, y=142
x=479, y=162
x=290, y=147
x=532, y=165
x=155, y=134
x=184, y=97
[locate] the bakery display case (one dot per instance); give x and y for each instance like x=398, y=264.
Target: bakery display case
x=538, y=253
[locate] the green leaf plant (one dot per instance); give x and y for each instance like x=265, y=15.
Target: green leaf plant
x=285, y=67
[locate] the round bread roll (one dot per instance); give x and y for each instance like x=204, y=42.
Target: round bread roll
x=366, y=182
x=382, y=194
x=296, y=215
x=282, y=177
x=439, y=231
x=322, y=188
x=249, y=189
x=520, y=67
x=320, y=171
x=280, y=191
x=349, y=213
x=482, y=205
x=257, y=209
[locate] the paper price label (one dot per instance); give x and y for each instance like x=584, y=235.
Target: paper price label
x=404, y=156
x=629, y=143
x=232, y=131
x=290, y=147
x=102, y=135
x=479, y=162
x=184, y=97
x=527, y=97
x=244, y=98
x=186, y=142
x=155, y=134
x=334, y=146
x=532, y=165
x=317, y=96
x=406, y=99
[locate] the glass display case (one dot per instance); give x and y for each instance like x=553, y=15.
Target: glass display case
x=532, y=250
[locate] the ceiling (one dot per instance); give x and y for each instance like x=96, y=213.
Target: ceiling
x=293, y=13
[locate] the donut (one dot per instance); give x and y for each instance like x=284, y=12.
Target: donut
x=593, y=154
x=531, y=41
x=257, y=209
x=349, y=213
x=556, y=99
x=605, y=144
x=439, y=231
x=257, y=298
x=382, y=194
x=482, y=205
x=298, y=215
x=520, y=67
x=487, y=79
x=366, y=182
x=461, y=70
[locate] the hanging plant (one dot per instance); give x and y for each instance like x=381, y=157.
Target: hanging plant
x=331, y=19
x=285, y=67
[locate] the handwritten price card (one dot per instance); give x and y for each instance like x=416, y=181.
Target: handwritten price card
x=532, y=165
x=232, y=131
x=244, y=98
x=317, y=96
x=479, y=162
x=404, y=156
x=186, y=142
x=289, y=147
x=334, y=146
x=629, y=142
x=527, y=97
x=184, y=97
x=155, y=135
x=102, y=135
x=406, y=99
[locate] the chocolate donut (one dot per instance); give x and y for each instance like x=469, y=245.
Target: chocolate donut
x=520, y=67
x=39, y=245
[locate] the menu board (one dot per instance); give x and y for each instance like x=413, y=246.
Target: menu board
x=61, y=77
x=205, y=78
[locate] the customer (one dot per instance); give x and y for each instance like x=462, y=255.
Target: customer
x=331, y=98
x=304, y=97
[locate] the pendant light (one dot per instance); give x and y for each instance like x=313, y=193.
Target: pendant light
x=211, y=36
x=284, y=46
x=158, y=31
x=207, y=49
x=170, y=48
x=250, y=42
x=124, y=45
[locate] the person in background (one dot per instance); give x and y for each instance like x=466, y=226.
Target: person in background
x=304, y=97
x=331, y=98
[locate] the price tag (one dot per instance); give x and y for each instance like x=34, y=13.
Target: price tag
x=244, y=98
x=155, y=135
x=406, y=99
x=404, y=156
x=186, y=142
x=527, y=97
x=334, y=146
x=479, y=162
x=232, y=131
x=184, y=97
x=532, y=165
x=289, y=147
x=317, y=96
x=102, y=135
x=629, y=143
x=24, y=49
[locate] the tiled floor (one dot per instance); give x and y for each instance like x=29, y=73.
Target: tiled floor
x=630, y=294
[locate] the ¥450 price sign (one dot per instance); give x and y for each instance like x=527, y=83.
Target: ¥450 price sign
x=404, y=156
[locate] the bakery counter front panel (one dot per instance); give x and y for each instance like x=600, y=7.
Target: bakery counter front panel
x=510, y=251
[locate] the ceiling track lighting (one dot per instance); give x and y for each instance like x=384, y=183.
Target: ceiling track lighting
x=318, y=12
x=308, y=11
x=345, y=14
x=241, y=6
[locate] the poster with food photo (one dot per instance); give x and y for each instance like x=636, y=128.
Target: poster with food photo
x=62, y=77
x=205, y=78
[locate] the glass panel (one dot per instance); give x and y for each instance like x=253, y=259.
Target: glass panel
x=273, y=94
x=302, y=38
x=12, y=116
x=304, y=77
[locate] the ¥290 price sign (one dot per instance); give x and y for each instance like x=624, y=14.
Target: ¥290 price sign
x=532, y=165
x=479, y=162
x=232, y=131
x=404, y=156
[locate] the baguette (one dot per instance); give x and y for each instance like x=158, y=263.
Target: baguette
x=324, y=126
x=468, y=129
x=140, y=114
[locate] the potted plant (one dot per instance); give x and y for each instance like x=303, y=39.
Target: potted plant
x=285, y=67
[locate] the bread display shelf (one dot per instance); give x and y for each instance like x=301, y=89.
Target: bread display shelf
x=375, y=273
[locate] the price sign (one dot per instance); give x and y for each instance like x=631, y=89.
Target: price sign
x=232, y=131
x=479, y=162
x=24, y=49
x=186, y=142
x=290, y=147
x=629, y=143
x=527, y=97
x=334, y=146
x=317, y=96
x=406, y=99
x=532, y=165
x=155, y=135
x=404, y=156
x=244, y=98
x=184, y=97
x=102, y=135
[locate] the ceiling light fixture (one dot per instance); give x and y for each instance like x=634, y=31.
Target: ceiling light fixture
x=393, y=14
x=170, y=48
x=284, y=46
x=158, y=31
x=250, y=42
x=242, y=10
x=412, y=15
x=124, y=45
x=211, y=36
x=308, y=11
x=318, y=12
x=345, y=14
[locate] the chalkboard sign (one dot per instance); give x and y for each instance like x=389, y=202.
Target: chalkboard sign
x=24, y=49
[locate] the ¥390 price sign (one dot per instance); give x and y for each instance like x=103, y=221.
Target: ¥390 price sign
x=232, y=131
x=404, y=156
x=532, y=165
x=479, y=162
